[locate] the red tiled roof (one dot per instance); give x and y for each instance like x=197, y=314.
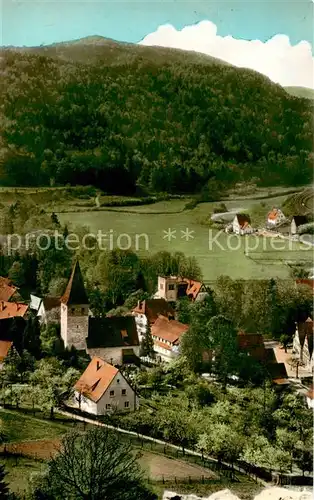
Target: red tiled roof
x=166, y=329
x=96, y=379
x=152, y=308
x=7, y=290
x=273, y=214
x=12, y=309
x=306, y=282
x=5, y=346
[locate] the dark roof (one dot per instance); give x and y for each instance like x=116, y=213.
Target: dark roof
x=300, y=220
x=75, y=291
x=51, y=303
x=310, y=342
x=277, y=371
x=129, y=357
x=116, y=331
x=243, y=219
x=12, y=329
x=304, y=329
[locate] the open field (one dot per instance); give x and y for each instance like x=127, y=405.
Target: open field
x=143, y=228
x=18, y=426
x=216, y=252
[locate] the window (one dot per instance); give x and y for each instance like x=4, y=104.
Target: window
x=161, y=286
x=123, y=392
x=171, y=287
x=108, y=406
x=82, y=310
x=73, y=310
x=118, y=381
x=111, y=394
x=126, y=404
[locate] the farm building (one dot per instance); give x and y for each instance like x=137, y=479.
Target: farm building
x=275, y=217
x=297, y=222
x=172, y=288
x=241, y=224
x=102, y=389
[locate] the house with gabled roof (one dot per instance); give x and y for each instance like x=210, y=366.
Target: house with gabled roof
x=166, y=334
x=11, y=336
x=275, y=217
x=253, y=344
x=147, y=311
x=241, y=224
x=102, y=388
x=296, y=222
x=172, y=288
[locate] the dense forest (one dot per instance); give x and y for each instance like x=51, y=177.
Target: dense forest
x=137, y=120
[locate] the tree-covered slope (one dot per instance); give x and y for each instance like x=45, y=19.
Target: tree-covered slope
x=118, y=116
x=303, y=92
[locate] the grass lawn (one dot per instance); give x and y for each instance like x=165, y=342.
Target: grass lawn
x=20, y=470
x=225, y=255
x=22, y=427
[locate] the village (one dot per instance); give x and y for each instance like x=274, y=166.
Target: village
x=113, y=342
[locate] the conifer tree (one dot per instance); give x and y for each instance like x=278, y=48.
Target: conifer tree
x=147, y=344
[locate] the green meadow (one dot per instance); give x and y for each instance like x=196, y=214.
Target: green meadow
x=143, y=229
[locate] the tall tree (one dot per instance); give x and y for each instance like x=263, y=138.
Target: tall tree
x=96, y=465
x=147, y=343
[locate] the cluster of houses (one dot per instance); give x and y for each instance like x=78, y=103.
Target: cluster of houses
x=275, y=220
x=113, y=342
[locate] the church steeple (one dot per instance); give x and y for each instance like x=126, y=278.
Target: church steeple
x=75, y=291
x=75, y=311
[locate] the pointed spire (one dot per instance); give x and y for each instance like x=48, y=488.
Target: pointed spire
x=75, y=291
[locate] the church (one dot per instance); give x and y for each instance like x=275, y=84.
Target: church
x=113, y=339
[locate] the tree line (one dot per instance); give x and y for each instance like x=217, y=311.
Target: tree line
x=142, y=126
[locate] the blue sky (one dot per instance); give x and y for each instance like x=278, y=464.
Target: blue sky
x=42, y=22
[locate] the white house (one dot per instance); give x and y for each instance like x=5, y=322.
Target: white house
x=275, y=217
x=166, y=335
x=102, y=389
x=241, y=224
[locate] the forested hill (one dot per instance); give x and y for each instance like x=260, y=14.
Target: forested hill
x=126, y=118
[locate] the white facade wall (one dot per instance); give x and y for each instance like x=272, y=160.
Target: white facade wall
x=112, y=355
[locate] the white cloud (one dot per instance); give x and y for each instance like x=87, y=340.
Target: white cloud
x=282, y=62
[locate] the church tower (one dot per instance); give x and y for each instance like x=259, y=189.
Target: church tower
x=74, y=311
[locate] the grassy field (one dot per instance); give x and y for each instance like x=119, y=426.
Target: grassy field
x=143, y=228
x=19, y=426
x=216, y=252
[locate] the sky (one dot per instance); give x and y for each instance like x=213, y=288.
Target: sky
x=274, y=37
